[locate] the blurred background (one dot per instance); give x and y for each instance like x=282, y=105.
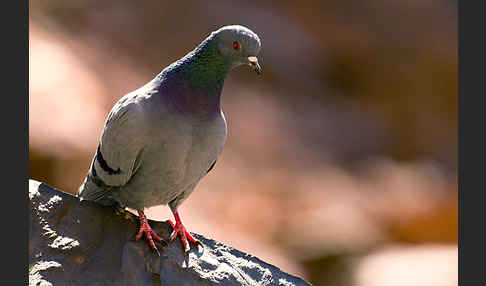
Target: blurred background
x=341, y=160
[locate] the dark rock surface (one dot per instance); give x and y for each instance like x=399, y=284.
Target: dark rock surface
x=73, y=242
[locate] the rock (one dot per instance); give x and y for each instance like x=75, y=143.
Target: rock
x=73, y=242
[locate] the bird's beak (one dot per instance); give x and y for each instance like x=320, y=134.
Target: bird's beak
x=253, y=62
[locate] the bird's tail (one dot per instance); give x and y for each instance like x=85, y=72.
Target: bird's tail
x=92, y=190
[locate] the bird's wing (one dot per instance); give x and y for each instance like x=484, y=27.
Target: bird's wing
x=121, y=144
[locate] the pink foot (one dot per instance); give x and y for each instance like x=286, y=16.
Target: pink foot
x=180, y=230
x=149, y=233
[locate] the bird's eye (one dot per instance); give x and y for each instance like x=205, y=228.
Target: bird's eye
x=236, y=46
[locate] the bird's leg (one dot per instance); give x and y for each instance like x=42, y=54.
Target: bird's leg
x=180, y=230
x=149, y=233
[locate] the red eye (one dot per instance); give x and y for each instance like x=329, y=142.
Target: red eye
x=236, y=46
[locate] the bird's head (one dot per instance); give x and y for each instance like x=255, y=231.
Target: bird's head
x=239, y=45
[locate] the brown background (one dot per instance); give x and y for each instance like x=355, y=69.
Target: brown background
x=341, y=161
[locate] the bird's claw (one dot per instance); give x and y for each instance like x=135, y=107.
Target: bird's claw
x=180, y=230
x=150, y=235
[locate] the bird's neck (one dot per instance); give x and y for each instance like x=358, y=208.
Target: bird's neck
x=198, y=79
x=203, y=67
x=200, y=103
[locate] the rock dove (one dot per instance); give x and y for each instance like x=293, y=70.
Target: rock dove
x=160, y=140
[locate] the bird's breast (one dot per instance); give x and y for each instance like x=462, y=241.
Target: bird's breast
x=180, y=155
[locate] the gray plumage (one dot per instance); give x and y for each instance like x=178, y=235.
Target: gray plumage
x=160, y=140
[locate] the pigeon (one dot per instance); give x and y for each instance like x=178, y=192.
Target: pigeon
x=161, y=139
